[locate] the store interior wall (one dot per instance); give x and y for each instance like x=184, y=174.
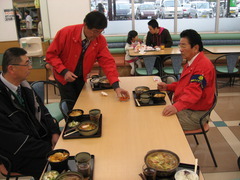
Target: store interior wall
x=8, y=31
x=55, y=15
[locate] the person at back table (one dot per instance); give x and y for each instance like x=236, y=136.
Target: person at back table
x=194, y=92
x=132, y=42
x=27, y=130
x=73, y=52
x=158, y=35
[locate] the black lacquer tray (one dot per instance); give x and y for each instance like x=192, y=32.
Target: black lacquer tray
x=72, y=166
x=138, y=103
x=180, y=167
x=77, y=135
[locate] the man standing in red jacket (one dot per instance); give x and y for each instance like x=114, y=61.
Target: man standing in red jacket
x=74, y=51
x=194, y=92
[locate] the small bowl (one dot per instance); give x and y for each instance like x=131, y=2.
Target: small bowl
x=144, y=100
x=87, y=128
x=104, y=83
x=140, y=89
x=75, y=115
x=50, y=175
x=158, y=97
x=70, y=175
x=186, y=174
x=169, y=158
x=58, y=159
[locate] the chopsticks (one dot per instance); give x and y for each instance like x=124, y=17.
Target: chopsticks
x=65, y=135
x=195, y=166
x=138, y=104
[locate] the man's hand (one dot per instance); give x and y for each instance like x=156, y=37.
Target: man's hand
x=162, y=86
x=54, y=139
x=169, y=110
x=122, y=93
x=70, y=77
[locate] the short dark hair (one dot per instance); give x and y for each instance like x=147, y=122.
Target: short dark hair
x=95, y=20
x=27, y=11
x=12, y=56
x=193, y=37
x=131, y=34
x=153, y=23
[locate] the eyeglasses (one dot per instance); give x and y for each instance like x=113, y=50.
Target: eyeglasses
x=97, y=31
x=182, y=46
x=28, y=63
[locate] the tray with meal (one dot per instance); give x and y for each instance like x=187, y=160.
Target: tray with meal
x=82, y=127
x=69, y=173
x=143, y=96
x=168, y=166
x=99, y=83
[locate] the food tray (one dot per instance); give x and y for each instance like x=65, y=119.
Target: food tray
x=72, y=166
x=77, y=135
x=180, y=167
x=97, y=87
x=151, y=103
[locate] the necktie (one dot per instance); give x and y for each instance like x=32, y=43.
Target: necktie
x=84, y=45
x=19, y=95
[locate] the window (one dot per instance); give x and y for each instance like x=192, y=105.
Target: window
x=176, y=16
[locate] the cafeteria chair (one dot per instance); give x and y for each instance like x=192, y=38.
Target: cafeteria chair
x=168, y=79
x=149, y=67
x=53, y=108
x=204, y=129
x=64, y=107
x=176, y=65
x=231, y=69
x=49, y=76
x=6, y=169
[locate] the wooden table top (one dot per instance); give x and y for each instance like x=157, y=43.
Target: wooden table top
x=166, y=51
x=223, y=49
x=128, y=132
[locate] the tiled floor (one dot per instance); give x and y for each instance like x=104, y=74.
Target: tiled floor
x=224, y=137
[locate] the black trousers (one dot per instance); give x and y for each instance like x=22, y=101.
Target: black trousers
x=71, y=90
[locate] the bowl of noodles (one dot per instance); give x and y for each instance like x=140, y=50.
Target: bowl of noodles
x=163, y=161
x=58, y=159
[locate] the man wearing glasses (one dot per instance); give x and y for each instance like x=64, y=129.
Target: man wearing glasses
x=74, y=51
x=194, y=92
x=27, y=130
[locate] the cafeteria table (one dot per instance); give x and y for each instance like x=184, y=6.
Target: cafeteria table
x=128, y=132
x=153, y=53
x=234, y=49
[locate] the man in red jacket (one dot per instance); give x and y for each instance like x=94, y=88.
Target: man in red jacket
x=194, y=92
x=74, y=51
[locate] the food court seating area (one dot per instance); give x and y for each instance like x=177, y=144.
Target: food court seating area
x=116, y=46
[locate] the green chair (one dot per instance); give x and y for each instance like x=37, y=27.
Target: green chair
x=64, y=107
x=53, y=108
x=149, y=67
x=231, y=69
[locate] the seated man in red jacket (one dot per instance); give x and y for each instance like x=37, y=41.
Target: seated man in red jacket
x=194, y=92
x=73, y=52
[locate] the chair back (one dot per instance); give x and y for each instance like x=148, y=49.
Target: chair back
x=6, y=168
x=64, y=107
x=38, y=87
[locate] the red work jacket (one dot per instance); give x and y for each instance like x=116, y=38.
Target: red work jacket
x=190, y=95
x=65, y=50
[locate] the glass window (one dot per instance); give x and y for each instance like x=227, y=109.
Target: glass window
x=176, y=16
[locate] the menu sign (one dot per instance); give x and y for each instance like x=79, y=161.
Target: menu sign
x=9, y=14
